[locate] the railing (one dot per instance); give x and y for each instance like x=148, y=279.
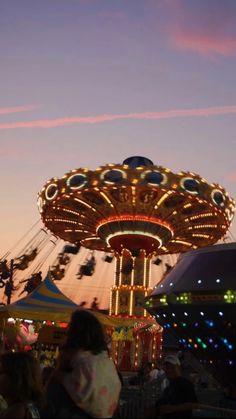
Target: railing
x=138, y=403
x=141, y=408
x=214, y=411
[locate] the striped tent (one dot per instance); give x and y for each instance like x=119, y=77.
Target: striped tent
x=47, y=302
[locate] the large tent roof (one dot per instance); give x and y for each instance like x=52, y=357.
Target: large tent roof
x=47, y=302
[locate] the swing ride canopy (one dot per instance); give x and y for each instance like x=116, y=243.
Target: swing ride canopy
x=136, y=205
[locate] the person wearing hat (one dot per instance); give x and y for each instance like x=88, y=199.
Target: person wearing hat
x=178, y=398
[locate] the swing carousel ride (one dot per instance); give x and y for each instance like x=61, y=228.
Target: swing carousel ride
x=135, y=211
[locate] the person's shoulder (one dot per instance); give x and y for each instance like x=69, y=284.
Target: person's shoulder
x=186, y=387
x=81, y=357
x=184, y=381
x=87, y=357
x=153, y=374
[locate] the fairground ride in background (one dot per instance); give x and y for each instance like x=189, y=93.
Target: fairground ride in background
x=135, y=211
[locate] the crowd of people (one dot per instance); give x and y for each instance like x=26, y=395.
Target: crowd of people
x=84, y=382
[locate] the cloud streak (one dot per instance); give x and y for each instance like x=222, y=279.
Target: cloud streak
x=16, y=109
x=204, y=43
x=207, y=28
x=98, y=119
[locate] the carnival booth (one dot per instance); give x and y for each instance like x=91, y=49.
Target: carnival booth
x=22, y=320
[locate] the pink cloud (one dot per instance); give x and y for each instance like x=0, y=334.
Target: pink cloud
x=176, y=113
x=231, y=176
x=207, y=44
x=201, y=27
x=15, y=109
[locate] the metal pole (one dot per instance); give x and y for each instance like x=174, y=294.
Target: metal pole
x=10, y=281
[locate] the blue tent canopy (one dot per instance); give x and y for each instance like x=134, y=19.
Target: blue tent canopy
x=46, y=302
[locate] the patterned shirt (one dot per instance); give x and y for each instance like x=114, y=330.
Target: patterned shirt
x=93, y=384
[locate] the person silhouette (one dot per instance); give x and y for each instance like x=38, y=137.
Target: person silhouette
x=94, y=304
x=20, y=385
x=4, y=270
x=85, y=383
x=178, y=398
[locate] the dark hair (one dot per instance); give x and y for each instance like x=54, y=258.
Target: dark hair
x=85, y=332
x=24, y=381
x=47, y=373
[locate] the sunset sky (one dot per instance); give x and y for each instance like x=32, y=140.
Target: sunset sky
x=89, y=82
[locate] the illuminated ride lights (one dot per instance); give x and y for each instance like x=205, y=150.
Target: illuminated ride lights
x=199, y=307
x=135, y=210
x=182, y=211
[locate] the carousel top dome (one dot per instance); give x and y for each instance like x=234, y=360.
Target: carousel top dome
x=136, y=206
x=137, y=161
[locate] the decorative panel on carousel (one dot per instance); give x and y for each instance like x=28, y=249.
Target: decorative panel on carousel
x=138, y=309
x=124, y=302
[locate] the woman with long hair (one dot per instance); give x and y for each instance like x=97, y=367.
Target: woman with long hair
x=85, y=372
x=20, y=385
